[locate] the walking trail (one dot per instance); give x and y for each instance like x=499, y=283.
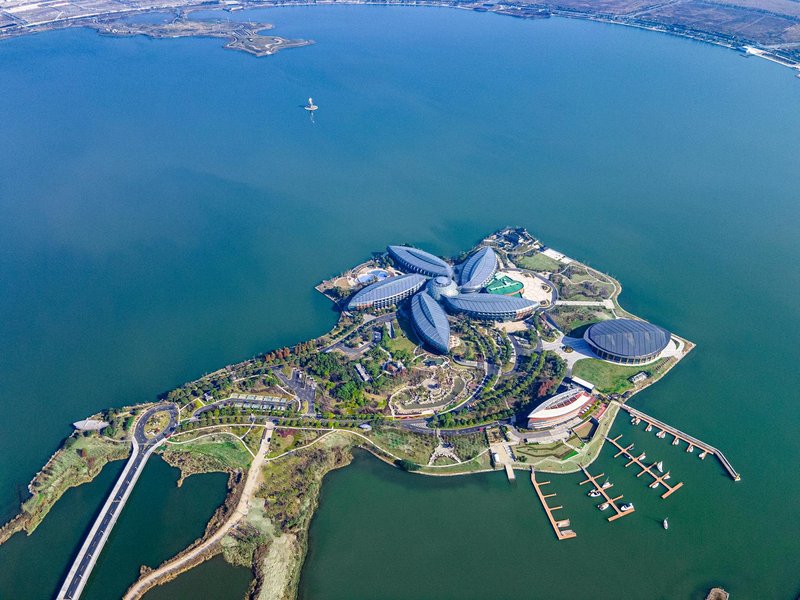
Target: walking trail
x=148, y=581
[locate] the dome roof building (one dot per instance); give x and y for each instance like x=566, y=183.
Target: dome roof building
x=430, y=322
x=441, y=293
x=627, y=341
x=478, y=270
x=442, y=286
x=387, y=292
x=490, y=307
x=419, y=261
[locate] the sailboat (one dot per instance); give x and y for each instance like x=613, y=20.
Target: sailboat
x=666, y=523
x=311, y=106
x=660, y=466
x=607, y=484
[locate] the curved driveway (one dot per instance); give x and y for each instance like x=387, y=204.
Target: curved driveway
x=143, y=447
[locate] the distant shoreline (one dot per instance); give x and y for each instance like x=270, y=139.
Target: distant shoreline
x=524, y=11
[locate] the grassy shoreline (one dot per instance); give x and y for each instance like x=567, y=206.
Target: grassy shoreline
x=271, y=536
x=77, y=461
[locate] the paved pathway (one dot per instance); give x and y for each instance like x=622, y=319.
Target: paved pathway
x=139, y=588
x=605, y=303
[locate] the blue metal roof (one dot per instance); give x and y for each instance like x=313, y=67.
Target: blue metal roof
x=415, y=259
x=488, y=304
x=478, y=270
x=387, y=288
x=430, y=321
x=628, y=338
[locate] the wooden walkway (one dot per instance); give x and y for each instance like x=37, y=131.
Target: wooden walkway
x=658, y=478
x=612, y=502
x=705, y=449
x=558, y=526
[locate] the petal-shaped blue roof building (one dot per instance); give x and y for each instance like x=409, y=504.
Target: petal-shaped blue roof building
x=430, y=322
x=478, y=270
x=627, y=341
x=429, y=307
x=490, y=307
x=387, y=292
x=419, y=261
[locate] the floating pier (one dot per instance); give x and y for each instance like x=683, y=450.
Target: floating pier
x=692, y=442
x=559, y=526
x=658, y=478
x=612, y=502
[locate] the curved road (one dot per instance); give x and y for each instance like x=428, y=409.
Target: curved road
x=143, y=447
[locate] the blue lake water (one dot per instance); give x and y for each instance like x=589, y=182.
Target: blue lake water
x=167, y=206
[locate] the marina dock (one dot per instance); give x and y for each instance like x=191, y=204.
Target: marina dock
x=658, y=478
x=678, y=436
x=612, y=502
x=559, y=526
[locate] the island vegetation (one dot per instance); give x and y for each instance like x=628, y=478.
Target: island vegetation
x=277, y=423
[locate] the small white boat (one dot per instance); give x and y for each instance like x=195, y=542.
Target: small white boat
x=642, y=456
x=626, y=507
x=666, y=523
x=666, y=476
x=649, y=427
x=690, y=448
x=607, y=484
x=661, y=434
x=660, y=466
x=594, y=494
x=654, y=485
x=603, y=506
x=311, y=106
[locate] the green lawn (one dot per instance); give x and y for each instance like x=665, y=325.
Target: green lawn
x=539, y=262
x=570, y=318
x=416, y=447
x=480, y=463
x=402, y=338
x=400, y=342
x=221, y=450
x=610, y=378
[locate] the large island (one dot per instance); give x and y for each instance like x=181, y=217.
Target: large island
x=766, y=28
x=510, y=357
